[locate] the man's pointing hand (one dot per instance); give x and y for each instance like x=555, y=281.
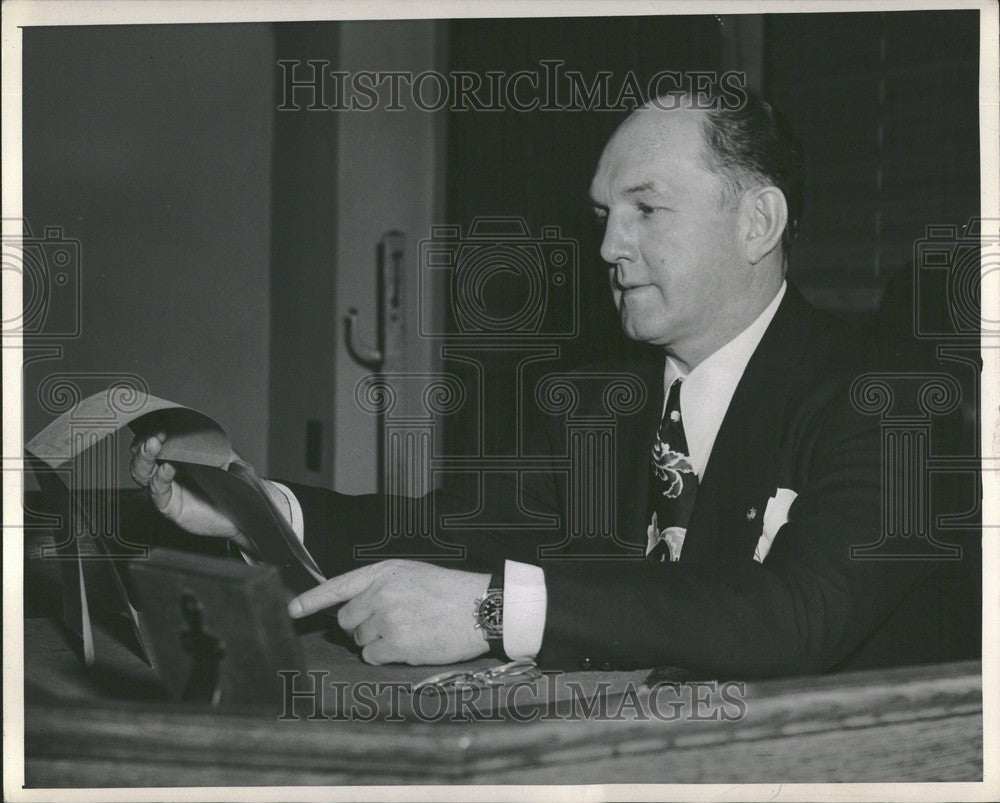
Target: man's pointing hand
x=402, y=611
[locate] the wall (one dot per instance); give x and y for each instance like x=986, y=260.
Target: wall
x=152, y=145
x=303, y=253
x=390, y=177
x=341, y=180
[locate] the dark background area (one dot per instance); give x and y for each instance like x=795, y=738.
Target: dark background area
x=887, y=107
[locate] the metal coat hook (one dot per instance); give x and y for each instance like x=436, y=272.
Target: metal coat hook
x=389, y=330
x=366, y=355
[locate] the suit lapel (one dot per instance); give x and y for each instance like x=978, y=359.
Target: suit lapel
x=742, y=469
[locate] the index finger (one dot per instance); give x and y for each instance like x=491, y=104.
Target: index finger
x=333, y=592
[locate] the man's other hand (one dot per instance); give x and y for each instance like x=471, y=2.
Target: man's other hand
x=183, y=506
x=403, y=611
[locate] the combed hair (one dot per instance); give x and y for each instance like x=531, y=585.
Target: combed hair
x=753, y=145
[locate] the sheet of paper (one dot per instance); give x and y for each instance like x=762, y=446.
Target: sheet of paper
x=194, y=437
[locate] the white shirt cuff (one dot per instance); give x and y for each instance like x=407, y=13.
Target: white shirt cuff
x=524, y=605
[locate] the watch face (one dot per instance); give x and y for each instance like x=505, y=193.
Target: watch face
x=491, y=613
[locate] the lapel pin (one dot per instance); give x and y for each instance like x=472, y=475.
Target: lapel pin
x=751, y=514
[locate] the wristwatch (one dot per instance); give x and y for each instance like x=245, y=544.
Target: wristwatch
x=489, y=616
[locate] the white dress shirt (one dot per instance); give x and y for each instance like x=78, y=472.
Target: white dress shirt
x=709, y=388
x=705, y=397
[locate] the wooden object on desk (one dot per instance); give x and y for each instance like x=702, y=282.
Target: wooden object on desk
x=218, y=630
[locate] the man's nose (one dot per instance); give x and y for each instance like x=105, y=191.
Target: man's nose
x=617, y=244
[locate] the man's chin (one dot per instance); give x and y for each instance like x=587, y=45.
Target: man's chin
x=642, y=331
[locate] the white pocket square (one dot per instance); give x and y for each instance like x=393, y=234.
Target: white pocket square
x=775, y=517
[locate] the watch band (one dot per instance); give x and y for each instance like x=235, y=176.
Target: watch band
x=489, y=616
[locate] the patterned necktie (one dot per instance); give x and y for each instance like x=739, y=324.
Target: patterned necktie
x=672, y=484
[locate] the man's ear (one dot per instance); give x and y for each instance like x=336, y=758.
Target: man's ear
x=765, y=213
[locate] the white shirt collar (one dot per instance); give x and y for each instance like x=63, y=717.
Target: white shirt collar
x=708, y=389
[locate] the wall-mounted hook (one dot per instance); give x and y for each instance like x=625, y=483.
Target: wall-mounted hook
x=389, y=313
x=368, y=356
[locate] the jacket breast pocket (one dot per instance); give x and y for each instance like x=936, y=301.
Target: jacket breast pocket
x=776, y=514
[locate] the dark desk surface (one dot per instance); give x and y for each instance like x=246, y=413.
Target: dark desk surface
x=107, y=726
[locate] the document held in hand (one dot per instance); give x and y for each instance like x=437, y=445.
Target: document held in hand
x=203, y=454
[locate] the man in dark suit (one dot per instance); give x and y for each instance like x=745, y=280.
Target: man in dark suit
x=741, y=484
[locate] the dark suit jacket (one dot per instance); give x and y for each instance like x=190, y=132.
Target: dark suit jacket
x=809, y=607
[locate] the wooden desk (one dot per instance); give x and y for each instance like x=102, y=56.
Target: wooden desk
x=107, y=728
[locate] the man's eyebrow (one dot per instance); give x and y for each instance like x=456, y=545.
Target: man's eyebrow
x=637, y=188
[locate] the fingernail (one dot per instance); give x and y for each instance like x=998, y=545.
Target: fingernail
x=295, y=609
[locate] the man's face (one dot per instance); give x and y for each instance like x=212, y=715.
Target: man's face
x=670, y=240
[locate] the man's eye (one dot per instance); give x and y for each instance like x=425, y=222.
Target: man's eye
x=645, y=209
x=600, y=216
